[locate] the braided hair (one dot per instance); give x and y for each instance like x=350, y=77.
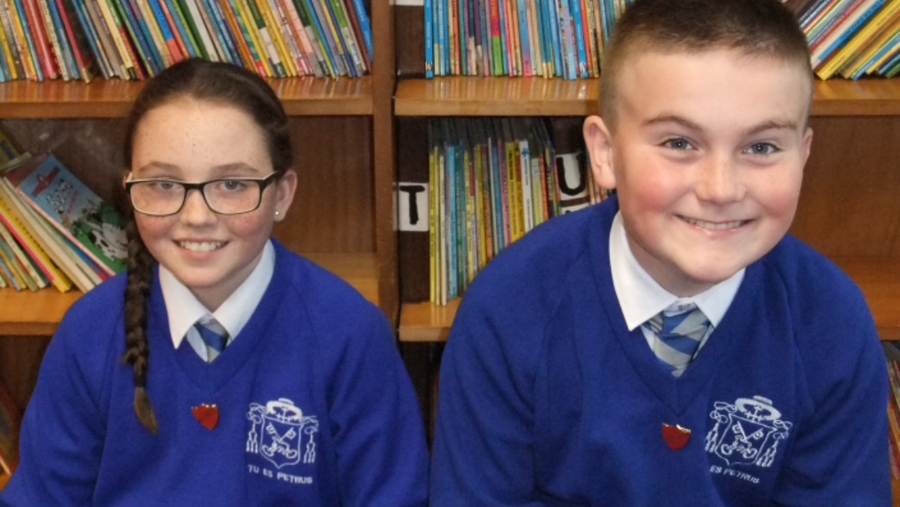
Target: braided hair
x=204, y=81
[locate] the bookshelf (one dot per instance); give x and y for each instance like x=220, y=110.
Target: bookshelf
x=341, y=217
x=851, y=215
x=848, y=210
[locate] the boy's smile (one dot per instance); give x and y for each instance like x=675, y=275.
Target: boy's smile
x=707, y=156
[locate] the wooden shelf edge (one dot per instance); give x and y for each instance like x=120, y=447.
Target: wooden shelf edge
x=878, y=278
x=39, y=313
x=112, y=99
x=426, y=322
x=508, y=96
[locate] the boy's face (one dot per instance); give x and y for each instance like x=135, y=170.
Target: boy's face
x=707, y=157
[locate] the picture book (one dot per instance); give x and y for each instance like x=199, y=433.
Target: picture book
x=77, y=212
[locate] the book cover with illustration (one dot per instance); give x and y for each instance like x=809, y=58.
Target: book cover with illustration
x=92, y=224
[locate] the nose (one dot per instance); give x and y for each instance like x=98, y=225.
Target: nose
x=195, y=210
x=719, y=181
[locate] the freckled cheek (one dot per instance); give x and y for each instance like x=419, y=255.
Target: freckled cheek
x=249, y=225
x=152, y=228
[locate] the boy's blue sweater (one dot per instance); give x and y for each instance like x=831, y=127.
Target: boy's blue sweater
x=546, y=399
x=316, y=408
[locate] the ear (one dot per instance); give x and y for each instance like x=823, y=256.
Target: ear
x=285, y=189
x=598, y=140
x=125, y=178
x=807, y=144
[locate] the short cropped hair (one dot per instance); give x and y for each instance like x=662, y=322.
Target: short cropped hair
x=755, y=27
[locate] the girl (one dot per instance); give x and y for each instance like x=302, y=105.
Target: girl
x=271, y=381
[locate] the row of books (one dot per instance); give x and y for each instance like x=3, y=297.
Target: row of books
x=853, y=38
x=54, y=231
x=565, y=38
x=490, y=181
x=136, y=39
x=892, y=354
x=548, y=38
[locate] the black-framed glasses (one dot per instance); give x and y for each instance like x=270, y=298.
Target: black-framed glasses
x=227, y=196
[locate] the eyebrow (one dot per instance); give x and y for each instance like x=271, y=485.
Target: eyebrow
x=223, y=169
x=773, y=124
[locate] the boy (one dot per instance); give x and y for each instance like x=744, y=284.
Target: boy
x=673, y=346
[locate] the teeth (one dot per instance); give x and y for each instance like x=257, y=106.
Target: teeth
x=712, y=226
x=201, y=247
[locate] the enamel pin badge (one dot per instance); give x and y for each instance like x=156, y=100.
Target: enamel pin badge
x=206, y=415
x=676, y=437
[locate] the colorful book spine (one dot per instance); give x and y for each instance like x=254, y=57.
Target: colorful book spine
x=182, y=27
x=440, y=44
x=336, y=61
x=193, y=22
x=224, y=32
x=140, y=49
x=869, y=32
x=175, y=50
x=847, y=30
x=43, y=45
x=83, y=63
x=242, y=38
x=93, y=39
x=150, y=38
x=30, y=54
x=315, y=39
x=275, y=33
x=68, y=54
x=262, y=49
x=34, y=251
x=365, y=26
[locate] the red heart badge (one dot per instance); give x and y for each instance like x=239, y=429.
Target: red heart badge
x=676, y=437
x=206, y=415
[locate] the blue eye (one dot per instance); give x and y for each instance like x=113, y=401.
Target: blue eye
x=678, y=144
x=761, y=149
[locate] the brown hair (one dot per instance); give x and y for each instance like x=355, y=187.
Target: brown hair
x=204, y=81
x=755, y=27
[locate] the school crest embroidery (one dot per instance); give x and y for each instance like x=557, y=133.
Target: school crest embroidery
x=747, y=432
x=281, y=433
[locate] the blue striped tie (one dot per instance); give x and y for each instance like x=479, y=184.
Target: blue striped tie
x=678, y=334
x=214, y=335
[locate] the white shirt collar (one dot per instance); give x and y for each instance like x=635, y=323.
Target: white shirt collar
x=184, y=309
x=641, y=297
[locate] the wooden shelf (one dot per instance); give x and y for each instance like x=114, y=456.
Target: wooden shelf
x=504, y=96
x=879, y=279
x=39, y=313
x=112, y=99
x=426, y=322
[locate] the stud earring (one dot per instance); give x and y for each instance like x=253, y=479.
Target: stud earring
x=277, y=213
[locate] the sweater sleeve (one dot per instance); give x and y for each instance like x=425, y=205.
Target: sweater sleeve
x=382, y=456
x=483, y=452
x=62, y=432
x=841, y=456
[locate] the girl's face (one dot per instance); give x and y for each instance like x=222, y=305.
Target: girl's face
x=195, y=141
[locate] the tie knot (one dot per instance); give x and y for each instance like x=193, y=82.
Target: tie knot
x=678, y=332
x=213, y=334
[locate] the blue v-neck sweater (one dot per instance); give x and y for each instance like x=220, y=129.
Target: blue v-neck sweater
x=315, y=405
x=546, y=398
